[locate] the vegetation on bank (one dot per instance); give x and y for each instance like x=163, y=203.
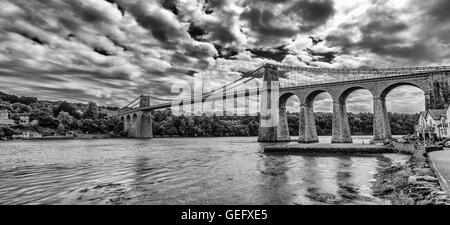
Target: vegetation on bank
x=58, y=117
x=165, y=123
x=62, y=118
x=413, y=183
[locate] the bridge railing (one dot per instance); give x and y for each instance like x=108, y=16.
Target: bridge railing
x=303, y=76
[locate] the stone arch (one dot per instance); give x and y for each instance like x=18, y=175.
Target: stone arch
x=311, y=96
x=134, y=118
x=128, y=118
x=381, y=126
x=307, y=126
x=342, y=98
x=283, y=133
x=284, y=97
x=122, y=119
x=341, y=123
x=384, y=129
x=385, y=91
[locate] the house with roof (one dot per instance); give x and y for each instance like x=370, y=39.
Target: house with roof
x=432, y=124
x=420, y=128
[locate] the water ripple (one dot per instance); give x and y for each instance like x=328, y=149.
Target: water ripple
x=179, y=171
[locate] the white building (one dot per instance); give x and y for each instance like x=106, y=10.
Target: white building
x=24, y=120
x=432, y=124
x=27, y=135
x=4, y=118
x=434, y=118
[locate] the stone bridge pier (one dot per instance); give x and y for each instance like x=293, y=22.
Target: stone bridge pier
x=138, y=124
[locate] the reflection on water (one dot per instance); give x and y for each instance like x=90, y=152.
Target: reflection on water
x=231, y=170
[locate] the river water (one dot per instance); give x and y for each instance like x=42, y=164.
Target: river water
x=225, y=170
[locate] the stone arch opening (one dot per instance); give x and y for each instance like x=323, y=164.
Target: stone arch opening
x=322, y=107
x=128, y=118
x=289, y=107
x=357, y=104
x=382, y=125
x=315, y=118
x=404, y=103
x=317, y=95
x=390, y=88
x=134, y=119
x=122, y=119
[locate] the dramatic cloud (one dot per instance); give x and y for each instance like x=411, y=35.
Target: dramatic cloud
x=110, y=51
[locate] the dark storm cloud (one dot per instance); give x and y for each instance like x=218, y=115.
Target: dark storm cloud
x=88, y=13
x=214, y=4
x=297, y=17
x=327, y=57
x=436, y=17
x=224, y=52
x=439, y=11
x=160, y=24
x=313, y=12
x=18, y=70
x=197, y=32
x=221, y=33
x=380, y=35
x=262, y=22
x=183, y=71
x=170, y=5
x=33, y=38
x=277, y=53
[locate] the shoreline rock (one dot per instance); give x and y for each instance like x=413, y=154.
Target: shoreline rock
x=413, y=183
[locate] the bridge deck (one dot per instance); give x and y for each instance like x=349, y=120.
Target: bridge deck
x=229, y=95
x=323, y=148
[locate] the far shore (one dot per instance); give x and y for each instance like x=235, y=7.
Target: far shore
x=106, y=136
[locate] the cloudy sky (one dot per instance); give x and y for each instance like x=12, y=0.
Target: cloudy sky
x=110, y=51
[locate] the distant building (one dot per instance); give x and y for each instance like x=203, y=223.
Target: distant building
x=432, y=124
x=27, y=135
x=4, y=118
x=4, y=114
x=24, y=120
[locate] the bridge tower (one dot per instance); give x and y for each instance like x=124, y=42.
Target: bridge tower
x=138, y=124
x=272, y=121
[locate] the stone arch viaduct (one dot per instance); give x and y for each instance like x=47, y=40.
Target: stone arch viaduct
x=433, y=81
x=433, y=84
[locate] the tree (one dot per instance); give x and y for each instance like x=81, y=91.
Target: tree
x=66, y=107
x=67, y=120
x=7, y=131
x=7, y=107
x=27, y=100
x=88, y=125
x=91, y=112
x=48, y=121
x=114, y=125
x=21, y=108
x=61, y=129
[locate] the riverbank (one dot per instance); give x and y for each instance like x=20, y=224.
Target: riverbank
x=64, y=137
x=412, y=183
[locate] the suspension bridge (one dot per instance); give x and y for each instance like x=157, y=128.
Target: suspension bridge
x=277, y=83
